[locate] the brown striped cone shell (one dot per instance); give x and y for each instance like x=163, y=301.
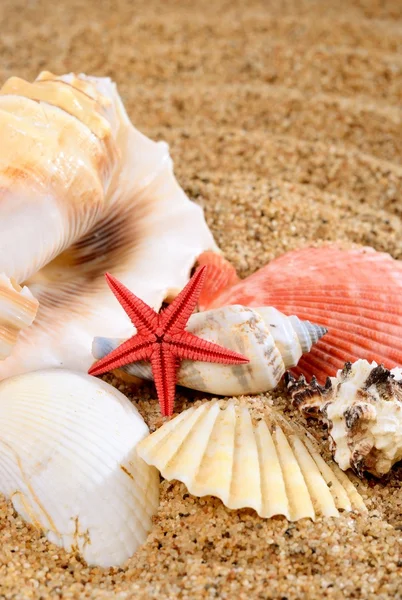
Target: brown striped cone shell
x=270, y=340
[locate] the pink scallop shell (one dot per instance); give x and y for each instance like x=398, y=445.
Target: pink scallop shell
x=356, y=294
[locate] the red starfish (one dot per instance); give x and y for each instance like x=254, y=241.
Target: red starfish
x=162, y=339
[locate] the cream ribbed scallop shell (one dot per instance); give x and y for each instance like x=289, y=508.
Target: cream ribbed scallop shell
x=217, y=449
x=68, y=463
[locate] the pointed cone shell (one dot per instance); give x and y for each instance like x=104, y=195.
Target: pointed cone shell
x=69, y=465
x=17, y=312
x=217, y=450
x=354, y=293
x=82, y=193
x=270, y=340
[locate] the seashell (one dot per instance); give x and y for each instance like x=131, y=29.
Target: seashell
x=354, y=293
x=271, y=341
x=83, y=192
x=17, y=311
x=69, y=465
x=217, y=450
x=362, y=408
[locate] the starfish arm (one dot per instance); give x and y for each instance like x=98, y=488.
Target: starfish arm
x=136, y=348
x=174, y=318
x=185, y=345
x=164, y=368
x=141, y=315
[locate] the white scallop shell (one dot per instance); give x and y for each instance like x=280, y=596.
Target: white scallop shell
x=83, y=192
x=271, y=341
x=216, y=450
x=69, y=465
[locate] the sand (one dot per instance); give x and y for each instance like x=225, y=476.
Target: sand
x=284, y=123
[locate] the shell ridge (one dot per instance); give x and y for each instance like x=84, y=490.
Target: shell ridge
x=144, y=502
x=296, y=488
x=261, y=509
x=245, y=488
x=271, y=476
x=200, y=417
x=355, y=497
x=207, y=480
x=339, y=493
x=381, y=312
x=235, y=451
x=362, y=330
x=320, y=494
x=96, y=426
x=213, y=445
x=204, y=420
x=151, y=444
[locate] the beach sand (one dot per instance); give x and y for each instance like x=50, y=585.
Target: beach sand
x=284, y=123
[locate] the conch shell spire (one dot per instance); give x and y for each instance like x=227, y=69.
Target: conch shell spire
x=271, y=341
x=293, y=336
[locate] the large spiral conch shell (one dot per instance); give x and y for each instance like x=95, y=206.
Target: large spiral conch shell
x=68, y=463
x=83, y=192
x=270, y=340
x=355, y=294
x=216, y=450
x=362, y=408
